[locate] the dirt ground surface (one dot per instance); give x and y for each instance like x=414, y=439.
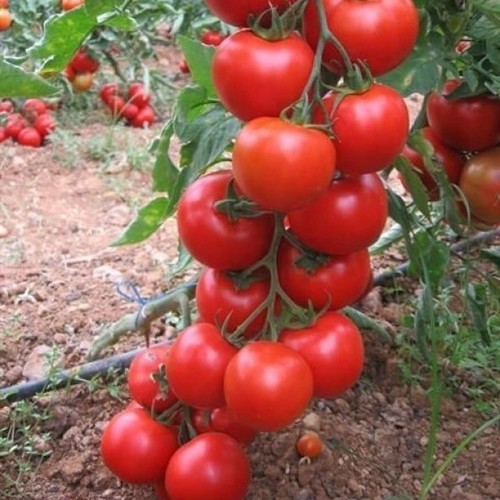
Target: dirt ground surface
x=59, y=211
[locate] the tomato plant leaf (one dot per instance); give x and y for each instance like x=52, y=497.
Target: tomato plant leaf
x=476, y=295
x=164, y=170
x=431, y=258
x=148, y=220
x=492, y=254
x=387, y=239
x=423, y=320
x=199, y=58
x=366, y=323
x=16, y=82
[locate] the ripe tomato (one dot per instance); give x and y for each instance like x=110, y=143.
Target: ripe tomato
x=210, y=236
x=280, y=165
x=340, y=281
x=14, y=124
x=469, y=124
x=309, y=445
x=267, y=385
x=82, y=82
x=36, y=106
x=5, y=19
x=348, y=217
x=116, y=103
x=146, y=379
x=221, y=420
x=129, y=111
x=452, y=161
x=210, y=37
x=6, y=106
x=107, y=91
x=29, y=136
x=370, y=128
x=138, y=95
x=480, y=183
x=256, y=77
x=45, y=124
x=200, y=349
x=221, y=301
x=212, y=466
x=83, y=62
x=144, y=118
x=69, y=72
x=136, y=448
x=333, y=349
x=71, y=4
x=183, y=67
x=238, y=13
x=378, y=33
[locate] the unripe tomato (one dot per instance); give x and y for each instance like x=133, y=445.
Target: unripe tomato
x=480, y=183
x=29, y=136
x=82, y=82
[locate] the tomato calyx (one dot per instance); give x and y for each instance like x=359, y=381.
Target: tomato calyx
x=235, y=206
x=281, y=25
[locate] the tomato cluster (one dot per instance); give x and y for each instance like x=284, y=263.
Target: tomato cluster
x=81, y=69
x=465, y=136
x=30, y=125
x=133, y=106
x=283, y=237
x=5, y=16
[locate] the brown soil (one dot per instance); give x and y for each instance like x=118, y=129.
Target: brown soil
x=57, y=289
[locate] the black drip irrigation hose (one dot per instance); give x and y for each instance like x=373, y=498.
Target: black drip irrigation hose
x=120, y=362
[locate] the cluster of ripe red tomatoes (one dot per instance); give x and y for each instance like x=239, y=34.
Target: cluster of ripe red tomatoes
x=29, y=125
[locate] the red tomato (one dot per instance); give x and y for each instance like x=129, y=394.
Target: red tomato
x=136, y=448
x=210, y=236
x=378, y=33
x=370, y=128
x=267, y=386
x=129, y=112
x=4, y=4
x=200, y=349
x=6, y=106
x=350, y=216
x=280, y=165
x=116, y=103
x=470, y=124
x=238, y=13
x=309, y=445
x=37, y=106
x=222, y=420
x=183, y=67
x=5, y=19
x=144, y=118
x=3, y=135
x=83, y=62
x=138, y=95
x=480, y=183
x=45, y=124
x=71, y=4
x=340, y=281
x=333, y=349
x=256, y=77
x=212, y=466
x=146, y=379
x=210, y=37
x=82, y=82
x=452, y=161
x=69, y=72
x=14, y=124
x=29, y=136
x=221, y=301
x=107, y=91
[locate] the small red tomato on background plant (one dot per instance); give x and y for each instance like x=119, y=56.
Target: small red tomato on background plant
x=309, y=445
x=144, y=118
x=138, y=95
x=29, y=136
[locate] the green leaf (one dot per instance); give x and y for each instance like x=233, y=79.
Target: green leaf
x=164, y=171
x=415, y=185
x=122, y=22
x=16, y=82
x=387, y=239
x=423, y=320
x=430, y=258
x=476, y=295
x=492, y=254
x=421, y=72
x=366, y=323
x=199, y=58
x=147, y=221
